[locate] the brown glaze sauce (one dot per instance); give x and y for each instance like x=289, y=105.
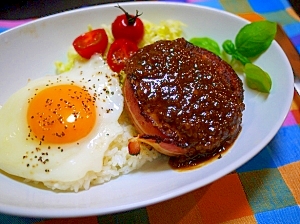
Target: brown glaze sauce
x=193, y=97
x=189, y=94
x=185, y=163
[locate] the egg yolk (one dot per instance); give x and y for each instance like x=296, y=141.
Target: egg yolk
x=61, y=114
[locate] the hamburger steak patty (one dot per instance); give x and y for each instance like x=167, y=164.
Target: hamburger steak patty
x=191, y=95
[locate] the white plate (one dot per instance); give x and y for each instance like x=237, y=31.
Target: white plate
x=29, y=51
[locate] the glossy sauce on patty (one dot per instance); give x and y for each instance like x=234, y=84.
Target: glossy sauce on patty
x=191, y=95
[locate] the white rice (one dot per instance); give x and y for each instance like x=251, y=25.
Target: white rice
x=117, y=161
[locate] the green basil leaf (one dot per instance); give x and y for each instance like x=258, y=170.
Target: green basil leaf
x=206, y=43
x=229, y=47
x=244, y=60
x=257, y=79
x=254, y=38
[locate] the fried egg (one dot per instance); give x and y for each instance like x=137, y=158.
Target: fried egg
x=57, y=128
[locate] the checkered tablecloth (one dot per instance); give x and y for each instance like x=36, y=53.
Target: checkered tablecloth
x=264, y=190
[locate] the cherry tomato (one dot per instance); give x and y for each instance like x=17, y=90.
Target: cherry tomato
x=120, y=50
x=92, y=42
x=128, y=26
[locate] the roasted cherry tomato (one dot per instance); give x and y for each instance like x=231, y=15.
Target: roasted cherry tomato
x=92, y=42
x=128, y=26
x=120, y=50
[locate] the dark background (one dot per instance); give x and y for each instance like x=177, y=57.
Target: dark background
x=22, y=9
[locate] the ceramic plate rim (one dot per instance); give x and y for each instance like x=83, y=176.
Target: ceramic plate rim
x=75, y=212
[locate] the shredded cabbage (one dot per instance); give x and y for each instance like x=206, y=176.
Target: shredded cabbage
x=165, y=30
x=72, y=57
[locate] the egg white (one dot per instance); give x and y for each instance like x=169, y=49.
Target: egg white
x=25, y=158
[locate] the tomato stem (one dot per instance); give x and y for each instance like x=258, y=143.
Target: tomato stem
x=130, y=19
